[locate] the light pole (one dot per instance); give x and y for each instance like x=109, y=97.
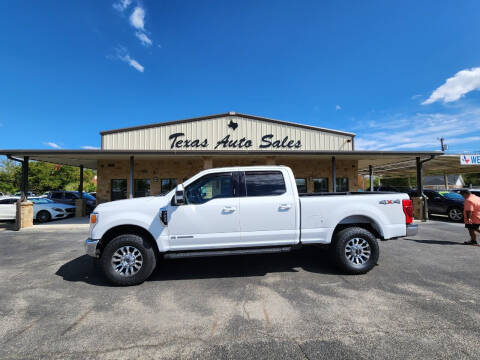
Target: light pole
x=444, y=147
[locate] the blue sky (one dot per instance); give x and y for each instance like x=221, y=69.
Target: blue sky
x=398, y=74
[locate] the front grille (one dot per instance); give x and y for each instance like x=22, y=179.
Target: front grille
x=70, y=210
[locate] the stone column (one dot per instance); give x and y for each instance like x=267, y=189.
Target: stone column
x=80, y=207
x=24, y=216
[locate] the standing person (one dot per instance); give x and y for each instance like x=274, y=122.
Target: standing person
x=471, y=215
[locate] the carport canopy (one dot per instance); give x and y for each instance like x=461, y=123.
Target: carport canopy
x=438, y=165
x=88, y=158
x=378, y=163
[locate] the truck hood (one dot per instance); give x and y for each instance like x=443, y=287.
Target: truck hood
x=128, y=204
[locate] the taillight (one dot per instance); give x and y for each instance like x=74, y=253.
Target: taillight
x=408, y=210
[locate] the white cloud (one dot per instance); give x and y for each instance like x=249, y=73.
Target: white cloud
x=122, y=5
x=421, y=131
x=123, y=55
x=338, y=107
x=137, y=19
x=88, y=147
x=416, y=96
x=133, y=63
x=144, y=39
x=52, y=144
x=457, y=86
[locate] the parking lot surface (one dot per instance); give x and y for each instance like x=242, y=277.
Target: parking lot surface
x=421, y=301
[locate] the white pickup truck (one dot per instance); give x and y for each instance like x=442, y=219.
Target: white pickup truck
x=243, y=210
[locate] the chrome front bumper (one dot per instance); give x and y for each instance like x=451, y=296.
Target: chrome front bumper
x=412, y=229
x=91, y=247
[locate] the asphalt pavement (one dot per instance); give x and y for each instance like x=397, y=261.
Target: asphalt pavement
x=421, y=301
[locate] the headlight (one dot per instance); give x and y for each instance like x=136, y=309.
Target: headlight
x=58, y=209
x=93, y=218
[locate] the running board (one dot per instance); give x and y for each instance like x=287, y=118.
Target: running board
x=223, y=252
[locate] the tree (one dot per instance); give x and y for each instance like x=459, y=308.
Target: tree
x=9, y=177
x=44, y=177
x=472, y=179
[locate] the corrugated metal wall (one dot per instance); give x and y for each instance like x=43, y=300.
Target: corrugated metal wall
x=214, y=130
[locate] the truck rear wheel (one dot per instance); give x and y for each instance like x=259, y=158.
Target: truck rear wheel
x=356, y=250
x=128, y=260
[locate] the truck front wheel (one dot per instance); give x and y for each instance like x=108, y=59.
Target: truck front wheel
x=355, y=250
x=128, y=260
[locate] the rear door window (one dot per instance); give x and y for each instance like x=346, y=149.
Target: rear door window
x=264, y=183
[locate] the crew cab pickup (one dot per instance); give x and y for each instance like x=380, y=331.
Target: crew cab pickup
x=243, y=210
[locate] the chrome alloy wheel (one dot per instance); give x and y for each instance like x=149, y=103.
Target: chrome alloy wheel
x=455, y=214
x=357, y=251
x=127, y=261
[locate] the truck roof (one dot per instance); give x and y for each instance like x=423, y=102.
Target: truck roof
x=247, y=168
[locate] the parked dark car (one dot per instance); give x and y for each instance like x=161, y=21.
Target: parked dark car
x=443, y=203
x=69, y=197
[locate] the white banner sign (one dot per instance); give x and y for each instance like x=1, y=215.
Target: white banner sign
x=470, y=160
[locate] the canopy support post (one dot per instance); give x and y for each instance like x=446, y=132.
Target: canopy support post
x=334, y=175
x=130, y=182
x=24, y=184
x=80, y=185
x=370, y=174
x=420, y=184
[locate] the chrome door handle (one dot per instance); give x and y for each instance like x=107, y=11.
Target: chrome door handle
x=284, y=206
x=229, y=209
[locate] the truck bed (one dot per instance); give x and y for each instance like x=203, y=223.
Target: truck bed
x=347, y=193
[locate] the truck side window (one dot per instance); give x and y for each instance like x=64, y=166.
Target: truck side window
x=264, y=183
x=209, y=187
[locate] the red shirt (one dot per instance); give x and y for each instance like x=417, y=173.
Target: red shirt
x=472, y=203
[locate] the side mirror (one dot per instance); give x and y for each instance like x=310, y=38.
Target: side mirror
x=179, y=197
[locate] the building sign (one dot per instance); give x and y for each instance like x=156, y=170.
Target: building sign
x=181, y=141
x=470, y=160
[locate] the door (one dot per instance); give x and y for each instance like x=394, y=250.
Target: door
x=210, y=216
x=8, y=209
x=268, y=210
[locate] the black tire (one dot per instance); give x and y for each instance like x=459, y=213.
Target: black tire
x=351, y=263
x=44, y=216
x=455, y=214
x=131, y=241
